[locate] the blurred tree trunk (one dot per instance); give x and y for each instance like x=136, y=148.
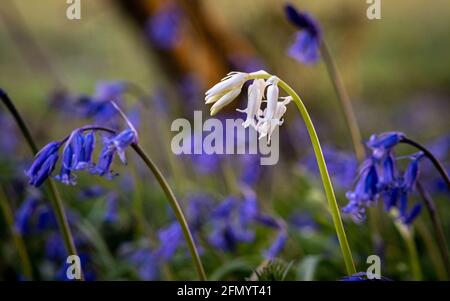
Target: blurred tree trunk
x=204, y=48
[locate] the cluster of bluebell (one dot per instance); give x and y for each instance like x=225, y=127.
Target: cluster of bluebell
x=77, y=155
x=223, y=226
x=379, y=177
x=306, y=48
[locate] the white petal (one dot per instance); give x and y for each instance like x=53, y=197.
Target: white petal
x=232, y=81
x=224, y=100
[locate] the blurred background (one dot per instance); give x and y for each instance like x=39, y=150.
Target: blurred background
x=168, y=52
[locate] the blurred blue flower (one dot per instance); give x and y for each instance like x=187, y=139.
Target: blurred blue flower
x=111, y=214
x=24, y=214
x=277, y=246
x=144, y=259
x=306, y=48
x=169, y=240
x=341, y=165
x=8, y=135
x=164, y=27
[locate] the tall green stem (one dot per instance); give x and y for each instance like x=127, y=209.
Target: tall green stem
x=17, y=238
x=175, y=207
x=328, y=187
x=344, y=101
x=55, y=199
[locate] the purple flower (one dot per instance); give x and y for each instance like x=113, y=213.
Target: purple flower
x=379, y=177
x=412, y=172
x=306, y=48
x=277, y=246
x=24, y=215
x=65, y=175
x=102, y=168
x=384, y=142
x=8, y=135
x=43, y=164
x=143, y=259
x=164, y=27
x=111, y=212
x=112, y=146
x=169, y=239
x=341, y=165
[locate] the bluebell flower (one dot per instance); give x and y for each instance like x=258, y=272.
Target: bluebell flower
x=98, y=105
x=169, y=239
x=106, y=91
x=228, y=230
x=144, y=259
x=43, y=164
x=277, y=246
x=380, y=144
x=251, y=169
x=303, y=222
x=379, y=177
x=77, y=155
x=54, y=248
x=111, y=214
x=122, y=141
x=102, y=168
x=306, y=48
x=46, y=219
x=412, y=172
x=24, y=215
x=65, y=176
x=8, y=135
x=164, y=27
x=341, y=165
x=91, y=192
x=198, y=211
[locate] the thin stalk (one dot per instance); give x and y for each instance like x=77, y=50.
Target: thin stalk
x=17, y=238
x=328, y=187
x=413, y=256
x=55, y=199
x=344, y=101
x=407, y=234
x=175, y=207
x=440, y=168
x=432, y=250
x=437, y=225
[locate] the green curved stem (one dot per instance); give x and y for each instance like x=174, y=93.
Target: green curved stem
x=17, y=238
x=175, y=207
x=328, y=187
x=414, y=262
x=55, y=199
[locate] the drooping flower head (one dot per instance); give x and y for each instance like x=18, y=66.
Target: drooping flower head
x=379, y=176
x=266, y=121
x=306, y=48
x=77, y=154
